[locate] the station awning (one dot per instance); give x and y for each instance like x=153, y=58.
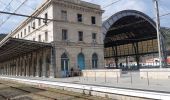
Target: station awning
x=14, y=47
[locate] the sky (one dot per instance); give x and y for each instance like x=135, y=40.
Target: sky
x=145, y=6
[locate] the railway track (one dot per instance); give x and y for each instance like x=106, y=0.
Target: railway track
x=28, y=92
x=23, y=91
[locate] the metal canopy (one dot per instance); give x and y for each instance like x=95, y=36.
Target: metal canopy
x=128, y=26
x=129, y=33
x=14, y=47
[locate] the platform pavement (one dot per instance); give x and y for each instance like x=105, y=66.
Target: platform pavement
x=127, y=81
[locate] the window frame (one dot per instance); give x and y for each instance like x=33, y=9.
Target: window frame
x=39, y=38
x=46, y=36
x=25, y=31
x=64, y=15
x=79, y=17
x=21, y=34
x=39, y=22
x=64, y=34
x=80, y=36
x=94, y=35
x=93, y=20
x=29, y=28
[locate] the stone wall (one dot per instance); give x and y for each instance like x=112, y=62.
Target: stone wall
x=163, y=73
x=102, y=73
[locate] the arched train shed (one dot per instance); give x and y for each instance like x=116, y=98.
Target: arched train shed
x=130, y=33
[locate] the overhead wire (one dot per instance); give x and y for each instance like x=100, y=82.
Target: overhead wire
x=26, y=5
x=121, y=26
x=7, y=5
x=111, y=4
x=14, y=12
x=114, y=2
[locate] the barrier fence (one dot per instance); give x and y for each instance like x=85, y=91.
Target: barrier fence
x=143, y=78
x=159, y=80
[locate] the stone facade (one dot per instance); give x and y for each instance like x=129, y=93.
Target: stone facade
x=70, y=17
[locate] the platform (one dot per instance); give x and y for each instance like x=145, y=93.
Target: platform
x=99, y=88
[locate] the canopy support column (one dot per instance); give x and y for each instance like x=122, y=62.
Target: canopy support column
x=137, y=57
x=52, y=63
x=115, y=56
x=44, y=64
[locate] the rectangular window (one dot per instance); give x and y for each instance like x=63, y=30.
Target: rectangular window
x=25, y=31
x=39, y=22
x=33, y=25
x=46, y=15
x=80, y=33
x=64, y=34
x=79, y=18
x=64, y=15
x=94, y=36
x=18, y=35
x=46, y=36
x=46, y=18
x=93, y=20
x=29, y=29
x=39, y=38
x=21, y=34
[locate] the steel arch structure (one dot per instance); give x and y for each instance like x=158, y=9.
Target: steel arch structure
x=114, y=18
x=130, y=33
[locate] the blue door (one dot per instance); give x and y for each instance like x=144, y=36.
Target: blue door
x=81, y=61
x=65, y=65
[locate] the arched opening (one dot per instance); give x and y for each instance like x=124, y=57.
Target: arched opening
x=64, y=65
x=94, y=61
x=81, y=61
x=130, y=36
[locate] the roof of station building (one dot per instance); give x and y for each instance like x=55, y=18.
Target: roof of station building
x=14, y=47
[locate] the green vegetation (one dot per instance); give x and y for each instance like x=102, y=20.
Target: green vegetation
x=2, y=36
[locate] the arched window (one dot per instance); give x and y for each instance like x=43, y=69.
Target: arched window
x=81, y=61
x=94, y=60
x=64, y=62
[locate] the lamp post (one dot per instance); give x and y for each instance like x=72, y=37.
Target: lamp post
x=158, y=31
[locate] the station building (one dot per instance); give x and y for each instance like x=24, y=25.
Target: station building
x=70, y=38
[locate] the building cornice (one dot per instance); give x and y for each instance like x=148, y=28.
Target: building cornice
x=77, y=6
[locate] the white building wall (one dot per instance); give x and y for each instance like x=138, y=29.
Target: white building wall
x=39, y=29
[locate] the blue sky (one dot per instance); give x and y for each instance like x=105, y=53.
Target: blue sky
x=145, y=6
